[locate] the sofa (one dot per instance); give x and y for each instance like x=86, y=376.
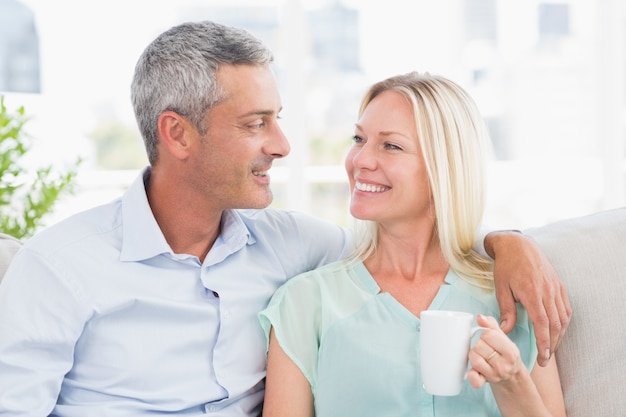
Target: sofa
x=589, y=254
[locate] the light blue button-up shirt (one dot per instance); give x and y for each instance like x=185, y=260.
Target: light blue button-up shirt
x=98, y=317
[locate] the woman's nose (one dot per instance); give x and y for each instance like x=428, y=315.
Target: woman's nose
x=364, y=157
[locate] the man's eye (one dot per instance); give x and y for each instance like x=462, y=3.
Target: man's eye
x=257, y=125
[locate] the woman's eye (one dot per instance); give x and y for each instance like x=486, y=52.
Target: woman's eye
x=392, y=147
x=357, y=139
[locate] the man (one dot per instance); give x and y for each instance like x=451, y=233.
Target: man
x=147, y=305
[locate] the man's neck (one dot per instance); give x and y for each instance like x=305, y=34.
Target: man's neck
x=189, y=226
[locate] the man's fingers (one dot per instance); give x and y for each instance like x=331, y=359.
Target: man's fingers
x=541, y=324
x=555, y=327
x=530, y=279
x=559, y=324
x=565, y=313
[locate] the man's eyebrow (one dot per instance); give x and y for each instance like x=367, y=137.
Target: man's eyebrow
x=262, y=113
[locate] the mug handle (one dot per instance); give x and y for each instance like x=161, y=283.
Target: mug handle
x=476, y=330
x=473, y=332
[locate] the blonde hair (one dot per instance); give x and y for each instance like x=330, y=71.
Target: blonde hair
x=454, y=142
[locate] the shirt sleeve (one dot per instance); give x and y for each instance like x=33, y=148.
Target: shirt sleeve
x=322, y=242
x=479, y=241
x=40, y=321
x=291, y=311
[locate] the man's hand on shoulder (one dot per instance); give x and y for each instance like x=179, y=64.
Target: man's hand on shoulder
x=524, y=274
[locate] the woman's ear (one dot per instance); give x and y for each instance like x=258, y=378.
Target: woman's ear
x=174, y=134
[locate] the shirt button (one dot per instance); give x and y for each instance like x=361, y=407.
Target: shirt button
x=226, y=315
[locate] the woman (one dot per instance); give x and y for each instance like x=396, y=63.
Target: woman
x=344, y=339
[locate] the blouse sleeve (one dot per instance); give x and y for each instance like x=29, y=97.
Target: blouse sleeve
x=294, y=313
x=523, y=335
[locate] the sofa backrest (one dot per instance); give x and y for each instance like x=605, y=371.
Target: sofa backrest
x=589, y=253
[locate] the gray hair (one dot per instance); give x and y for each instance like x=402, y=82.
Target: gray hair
x=177, y=72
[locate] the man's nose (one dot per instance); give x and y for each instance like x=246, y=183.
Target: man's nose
x=279, y=146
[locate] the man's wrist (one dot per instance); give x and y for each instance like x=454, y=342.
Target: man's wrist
x=491, y=239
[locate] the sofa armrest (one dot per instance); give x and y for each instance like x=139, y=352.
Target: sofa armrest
x=589, y=253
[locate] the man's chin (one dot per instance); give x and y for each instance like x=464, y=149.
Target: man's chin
x=259, y=203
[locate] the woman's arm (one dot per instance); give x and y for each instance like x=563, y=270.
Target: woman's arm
x=287, y=391
x=496, y=359
x=548, y=384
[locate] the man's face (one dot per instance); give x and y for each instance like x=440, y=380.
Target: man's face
x=242, y=140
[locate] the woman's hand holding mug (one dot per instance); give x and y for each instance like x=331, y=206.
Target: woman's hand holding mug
x=494, y=357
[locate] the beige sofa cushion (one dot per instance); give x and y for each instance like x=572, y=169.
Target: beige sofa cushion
x=590, y=255
x=8, y=247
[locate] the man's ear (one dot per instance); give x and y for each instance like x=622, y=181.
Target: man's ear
x=174, y=134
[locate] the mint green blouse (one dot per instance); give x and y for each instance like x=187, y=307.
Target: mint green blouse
x=359, y=348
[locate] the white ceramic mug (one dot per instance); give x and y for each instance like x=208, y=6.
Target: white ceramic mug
x=444, y=344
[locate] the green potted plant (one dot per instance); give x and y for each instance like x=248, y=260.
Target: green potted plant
x=26, y=195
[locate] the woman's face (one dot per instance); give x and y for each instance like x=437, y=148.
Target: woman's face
x=388, y=180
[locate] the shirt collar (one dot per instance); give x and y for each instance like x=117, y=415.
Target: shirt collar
x=143, y=238
x=367, y=281
x=234, y=235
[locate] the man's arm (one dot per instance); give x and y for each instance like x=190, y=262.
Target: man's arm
x=38, y=327
x=523, y=273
